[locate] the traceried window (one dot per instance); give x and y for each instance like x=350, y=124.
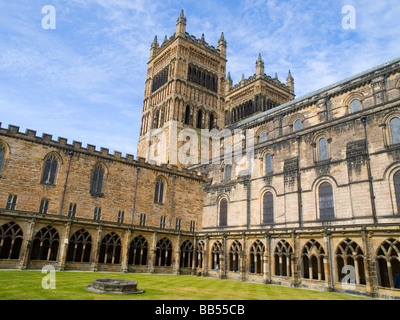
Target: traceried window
x=11, y=237
x=313, y=261
x=79, y=247
x=97, y=182
x=323, y=149
x=110, y=249
x=257, y=250
x=395, y=130
x=50, y=170
x=355, y=106
x=223, y=213
x=283, y=254
x=187, y=252
x=298, y=125
x=138, y=251
x=388, y=263
x=163, y=253
x=326, y=204
x=45, y=244
x=159, y=192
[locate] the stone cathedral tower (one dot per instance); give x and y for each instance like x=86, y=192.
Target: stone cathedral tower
x=184, y=89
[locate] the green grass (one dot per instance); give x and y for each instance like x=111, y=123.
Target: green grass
x=27, y=285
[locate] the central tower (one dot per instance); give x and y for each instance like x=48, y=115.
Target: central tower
x=184, y=89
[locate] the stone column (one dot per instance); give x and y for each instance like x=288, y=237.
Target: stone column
x=243, y=258
x=176, y=266
x=27, y=245
x=194, y=256
x=96, y=249
x=152, y=251
x=223, y=258
x=64, y=246
x=206, y=256
x=267, y=259
x=371, y=272
x=125, y=251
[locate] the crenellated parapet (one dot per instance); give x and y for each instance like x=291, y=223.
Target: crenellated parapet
x=91, y=150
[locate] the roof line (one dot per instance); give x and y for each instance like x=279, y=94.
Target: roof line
x=314, y=93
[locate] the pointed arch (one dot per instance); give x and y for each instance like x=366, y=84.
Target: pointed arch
x=110, y=249
x=11, y=237
x=79, y=246
x=138, y=251
x=45, y=244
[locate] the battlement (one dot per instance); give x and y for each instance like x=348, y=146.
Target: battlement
x=76, y=147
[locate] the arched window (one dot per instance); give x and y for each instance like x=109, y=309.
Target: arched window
x=313, y=261
x=110, y=249
x=355, y=106
x=97, y=182
x=268, y=163
x=11, y=237
x=283, y=259
x=186, y=254
x=323, y=149
x=138, y=251
x=388, y=261
x=268, y=208
x=349, y=253
x=50, y=170
x=187, y=115
x=264, y=136
x=79, y=247
x=211, y=123
x=2, y=156
x=199, y=119
x=395, y=130
x=396, y=182
x=298, y=125
x=163, y=253
x=159, y=192
x=223, y=213
x=256, y=257
x=234, y=256
x=326, y=203
x=216, y=253
x=228, y=172
x=45, y=244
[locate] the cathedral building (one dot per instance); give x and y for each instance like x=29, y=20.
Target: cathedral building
x=315, y=203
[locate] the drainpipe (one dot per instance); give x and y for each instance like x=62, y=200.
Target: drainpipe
x=66, y=181
x=370, y=178
x=172, y=201
x=134, y=196
x=300, y=201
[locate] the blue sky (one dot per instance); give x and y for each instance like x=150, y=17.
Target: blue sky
x=84, y=80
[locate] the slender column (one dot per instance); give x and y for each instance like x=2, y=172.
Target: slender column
x=176, y=266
